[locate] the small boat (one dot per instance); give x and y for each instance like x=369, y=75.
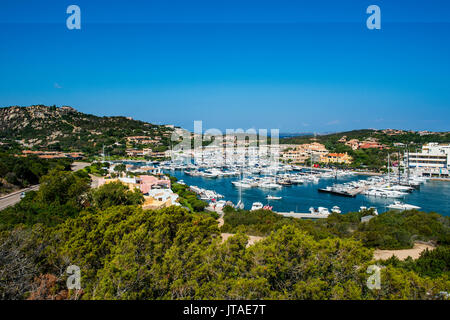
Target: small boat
x=397, y=205
x=269, y=197
x=336, y=209
x=241, y=184
x=320, y=210
x=240, y=205
x=257, y=206
x=269, y=185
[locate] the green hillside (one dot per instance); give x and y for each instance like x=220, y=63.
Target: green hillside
x=65, y=129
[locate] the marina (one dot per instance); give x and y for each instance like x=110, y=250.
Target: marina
x=349, y=191
x=290, y=189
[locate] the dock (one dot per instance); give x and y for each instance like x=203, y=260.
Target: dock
x=303, y=215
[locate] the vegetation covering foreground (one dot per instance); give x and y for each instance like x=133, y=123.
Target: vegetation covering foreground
x=125, y=252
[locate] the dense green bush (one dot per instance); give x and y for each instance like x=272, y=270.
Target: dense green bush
x=25, y=171
x=390, y=230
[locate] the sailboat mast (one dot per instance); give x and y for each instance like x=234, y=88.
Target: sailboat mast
x=389, y=169
x=407, y=149
x=240, y=188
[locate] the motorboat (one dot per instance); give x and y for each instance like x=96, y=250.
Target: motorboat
x=269, y=197
x=241, y=184
x=269, y=185
x=257, y=206
x=397, y=205
x=336, y=209
x=320, y=210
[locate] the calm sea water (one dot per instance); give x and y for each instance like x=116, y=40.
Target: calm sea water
x=432, y=195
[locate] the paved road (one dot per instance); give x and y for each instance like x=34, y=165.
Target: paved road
x=79, y=165
x=13, y=198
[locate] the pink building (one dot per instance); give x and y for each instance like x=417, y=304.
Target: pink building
x=146, y=183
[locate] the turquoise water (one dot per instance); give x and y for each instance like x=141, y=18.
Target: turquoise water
x=432, y=195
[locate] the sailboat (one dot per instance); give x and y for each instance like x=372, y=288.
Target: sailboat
x=240, y=204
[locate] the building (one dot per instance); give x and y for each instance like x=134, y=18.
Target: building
x=336, y=158
x=353, y=143
x=147, y=183
x=433, y=160
x=143, y=140
x=303, y=152
x=160, y=198
x=371, y=145
x=294, y=156
x=54, y=154
x=138, y=153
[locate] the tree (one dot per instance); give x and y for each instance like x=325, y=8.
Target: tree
x=61, y=187
x=114, y=194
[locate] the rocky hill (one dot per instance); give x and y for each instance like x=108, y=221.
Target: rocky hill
x=65, y=129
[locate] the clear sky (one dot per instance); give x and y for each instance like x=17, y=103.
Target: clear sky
x=299, y=66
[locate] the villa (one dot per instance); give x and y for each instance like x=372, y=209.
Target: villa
x=336, y=158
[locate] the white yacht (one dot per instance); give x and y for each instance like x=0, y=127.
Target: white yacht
x=241, y=184
x=210, y=174
x=336, y=209
x=269, y=197
x=320, y=210
x=256, y=206
x=397, y=205
x=385, y=193
x=270, y=185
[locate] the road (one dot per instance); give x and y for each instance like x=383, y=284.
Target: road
x=79, y=165
x=13, y=198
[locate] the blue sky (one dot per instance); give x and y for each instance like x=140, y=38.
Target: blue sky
x=298, y=66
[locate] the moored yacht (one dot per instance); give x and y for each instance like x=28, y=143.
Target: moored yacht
x=336, y=209
x=257, y=206
x=397, y=205
x=320, y=210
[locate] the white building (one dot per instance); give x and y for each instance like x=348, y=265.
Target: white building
x=164, y=195
x=433, y=160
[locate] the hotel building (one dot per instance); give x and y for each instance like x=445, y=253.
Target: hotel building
x=433, y=160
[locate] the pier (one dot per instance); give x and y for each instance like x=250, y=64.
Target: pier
x=303, y=215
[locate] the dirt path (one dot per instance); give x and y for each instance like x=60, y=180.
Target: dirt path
x=251, y=241
x=402, y=254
